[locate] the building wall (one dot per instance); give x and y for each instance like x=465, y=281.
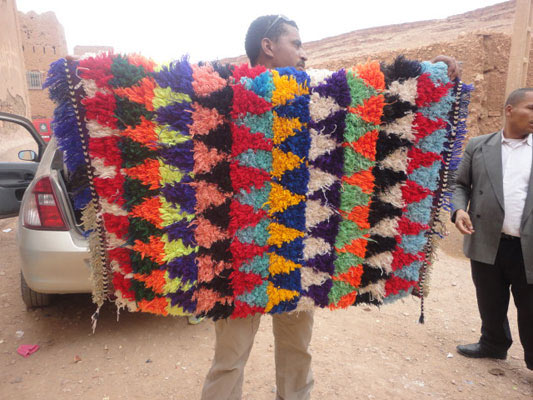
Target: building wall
x=43, y=41
x=13, y=90
x=87, y=50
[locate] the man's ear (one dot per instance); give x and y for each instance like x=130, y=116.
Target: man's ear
x=267, y=46
x=508, y=108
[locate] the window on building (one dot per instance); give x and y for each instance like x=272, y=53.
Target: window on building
x=34, y=80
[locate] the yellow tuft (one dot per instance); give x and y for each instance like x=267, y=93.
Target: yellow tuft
x=169, y=173
x=166, y=96
x=177, y=311
x=168, y=136
x=280, y=265
x=175, y=248
x=276, y=296
x=283, y=128
x=280, y=234
x=286, y=88
x=280, y=198
x=282, y=162
x=173, y=285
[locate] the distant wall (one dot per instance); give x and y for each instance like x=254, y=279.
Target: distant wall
x=13, y=91
x=485, y=59
x=43, y=41
x=84, y=50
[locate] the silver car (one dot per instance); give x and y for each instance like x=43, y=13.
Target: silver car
x=54, y=253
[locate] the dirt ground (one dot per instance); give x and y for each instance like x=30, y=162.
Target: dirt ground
x=360, y=353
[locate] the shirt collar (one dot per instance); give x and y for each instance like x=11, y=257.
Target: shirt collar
x=528, y=140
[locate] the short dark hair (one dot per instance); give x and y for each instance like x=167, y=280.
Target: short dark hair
x=257, y=30
x=516, y=96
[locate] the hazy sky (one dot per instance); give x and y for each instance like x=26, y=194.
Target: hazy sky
x=207, y=30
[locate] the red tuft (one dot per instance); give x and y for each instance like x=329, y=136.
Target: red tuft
x=117, y=224
x=417, y=158
x=243, y=252
x=246, y=177
x=412, y=192
x=101, y=108
x=424, y=126
x=428, y=92
x=243, y=310
x=244, y=140
x=246, y=101
x=407, y=227
x=243, y=216
x=245, y=71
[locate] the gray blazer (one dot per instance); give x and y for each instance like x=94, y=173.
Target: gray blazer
x=479, y=190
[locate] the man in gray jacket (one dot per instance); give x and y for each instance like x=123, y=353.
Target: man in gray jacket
x=494, y=210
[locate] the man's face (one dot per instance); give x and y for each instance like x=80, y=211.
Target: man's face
x=287, y=51
x=520, y=116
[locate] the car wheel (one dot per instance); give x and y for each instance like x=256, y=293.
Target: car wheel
x=30, y=297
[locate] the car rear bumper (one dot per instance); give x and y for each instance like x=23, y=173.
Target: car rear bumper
x=54, y=261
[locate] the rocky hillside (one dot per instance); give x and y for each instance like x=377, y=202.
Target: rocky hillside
x=480, y=39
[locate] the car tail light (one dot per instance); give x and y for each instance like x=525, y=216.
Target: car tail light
x=41, y=210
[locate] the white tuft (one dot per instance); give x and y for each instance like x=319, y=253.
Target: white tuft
x=316, y=213
x=314, y=247
x=319, y=179
x=321, y=107
x=320, y=144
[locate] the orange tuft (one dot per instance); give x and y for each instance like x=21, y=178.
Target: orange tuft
x=140, y=61
x=370, y=72
x=143, y=133
x=156, y=306
x=345, y=301
x=147, y=173
x=366, y=145
x=149, y=211
x=352, y=276
x=155, y=280
x=155, y=249
x=363, y=179
x=359, y=215
x=371, y=110
x=142, y=93
x=357, y=247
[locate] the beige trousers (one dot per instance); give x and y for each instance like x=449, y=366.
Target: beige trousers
x=234, y=340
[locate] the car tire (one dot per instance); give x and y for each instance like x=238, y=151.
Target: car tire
x=31, y=298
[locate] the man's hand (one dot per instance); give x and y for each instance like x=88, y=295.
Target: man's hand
x=454, y=69
x=463, y=222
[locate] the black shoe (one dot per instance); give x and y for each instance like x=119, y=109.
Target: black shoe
x=475, y=350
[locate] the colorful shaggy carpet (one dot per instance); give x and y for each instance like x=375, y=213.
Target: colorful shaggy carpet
x=224, y=191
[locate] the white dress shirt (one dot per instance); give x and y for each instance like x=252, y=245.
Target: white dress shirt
x=516, y=163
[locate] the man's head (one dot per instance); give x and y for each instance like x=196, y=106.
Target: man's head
x=274, y=41
x=519, y=112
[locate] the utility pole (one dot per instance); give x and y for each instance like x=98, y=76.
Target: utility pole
x=520, y=46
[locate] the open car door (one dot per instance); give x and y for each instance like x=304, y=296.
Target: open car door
x=21, y=148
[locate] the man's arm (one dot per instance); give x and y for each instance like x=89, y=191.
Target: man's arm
x=461, y=195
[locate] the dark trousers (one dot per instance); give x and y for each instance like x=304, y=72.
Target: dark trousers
x=492, y=284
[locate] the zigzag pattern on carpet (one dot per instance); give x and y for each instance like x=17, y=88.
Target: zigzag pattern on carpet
x=365, y=82
x=424, y=163
x=394, y=140
x=251, y=164
x=330, y=97
x=212, y=149
x=290, y=177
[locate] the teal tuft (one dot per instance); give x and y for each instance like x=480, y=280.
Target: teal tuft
x=258, y=265
x=260, y=159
